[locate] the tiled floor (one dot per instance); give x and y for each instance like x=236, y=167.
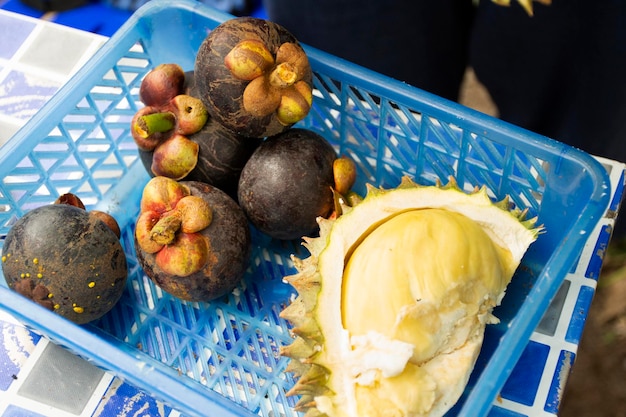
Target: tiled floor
x=34, y=62
x=34, y=382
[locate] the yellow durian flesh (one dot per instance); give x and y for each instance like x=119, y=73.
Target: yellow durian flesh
x=393, y=300
x=433, y=301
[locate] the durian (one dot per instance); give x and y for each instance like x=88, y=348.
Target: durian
x=395, y=296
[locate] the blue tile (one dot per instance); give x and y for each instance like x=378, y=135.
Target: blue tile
x=619, y=194
x=522, y=384
x=13, y=33
x=579, y=315
x=597, y=256
x=15, y=411
x=16, y=345
x=557, y=387
x=22, y=95
x=551, y=317
x=125, y=399
x=503, y=412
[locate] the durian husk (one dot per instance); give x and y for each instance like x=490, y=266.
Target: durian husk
x=324, y=352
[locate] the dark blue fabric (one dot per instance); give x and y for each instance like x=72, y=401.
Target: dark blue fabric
x=560, y=73
x=423, y=43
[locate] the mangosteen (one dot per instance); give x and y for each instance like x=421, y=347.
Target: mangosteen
x=221, y=155
x=287, y=183
x=253, y=77
x=67, y=260
x=189, y=86
x=191, y=239
x=164, y=132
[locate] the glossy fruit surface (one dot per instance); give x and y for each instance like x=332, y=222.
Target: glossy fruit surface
x=287, y=183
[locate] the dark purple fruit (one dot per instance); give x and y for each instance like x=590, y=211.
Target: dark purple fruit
x=253, y=77
x=287, y=183
x=189, y=86
x=179, y=251
x=222, y=155
x=66, y=260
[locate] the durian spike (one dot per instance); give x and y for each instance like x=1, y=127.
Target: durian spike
x=313, y=245
x=299, y=349
x=302, y=320
x=308, y=296
x=303, y=280
x=296, y=367
x=311, y=383
x=305, y=403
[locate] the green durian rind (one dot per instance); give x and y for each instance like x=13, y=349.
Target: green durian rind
x=508, y=226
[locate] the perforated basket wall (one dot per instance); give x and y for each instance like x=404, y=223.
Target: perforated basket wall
x=221, y=358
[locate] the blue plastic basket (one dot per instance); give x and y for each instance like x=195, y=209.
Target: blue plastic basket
x=221, y=358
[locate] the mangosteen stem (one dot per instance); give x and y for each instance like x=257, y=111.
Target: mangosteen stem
x=284, y=75
x=152, y=123
x=71, y=200
x=164, y=231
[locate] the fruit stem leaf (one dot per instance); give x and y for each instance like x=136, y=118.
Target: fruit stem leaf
x=164, y=231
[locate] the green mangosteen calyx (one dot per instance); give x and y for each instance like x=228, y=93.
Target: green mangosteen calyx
x=170, y=115
x=169, y=224
x=158, y=122
x=165, y=132
x=275, y=84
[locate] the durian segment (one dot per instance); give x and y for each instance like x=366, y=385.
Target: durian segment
x=419, y=276
x=399, y=289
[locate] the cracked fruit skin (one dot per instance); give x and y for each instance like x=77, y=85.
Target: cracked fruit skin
x=393, y=301
x=250, y=52
x=72, y=262
x=227, y=250
x=287, y=183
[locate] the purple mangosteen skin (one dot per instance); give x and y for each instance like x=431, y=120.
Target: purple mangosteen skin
x=66, y=261
x=287, y=184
